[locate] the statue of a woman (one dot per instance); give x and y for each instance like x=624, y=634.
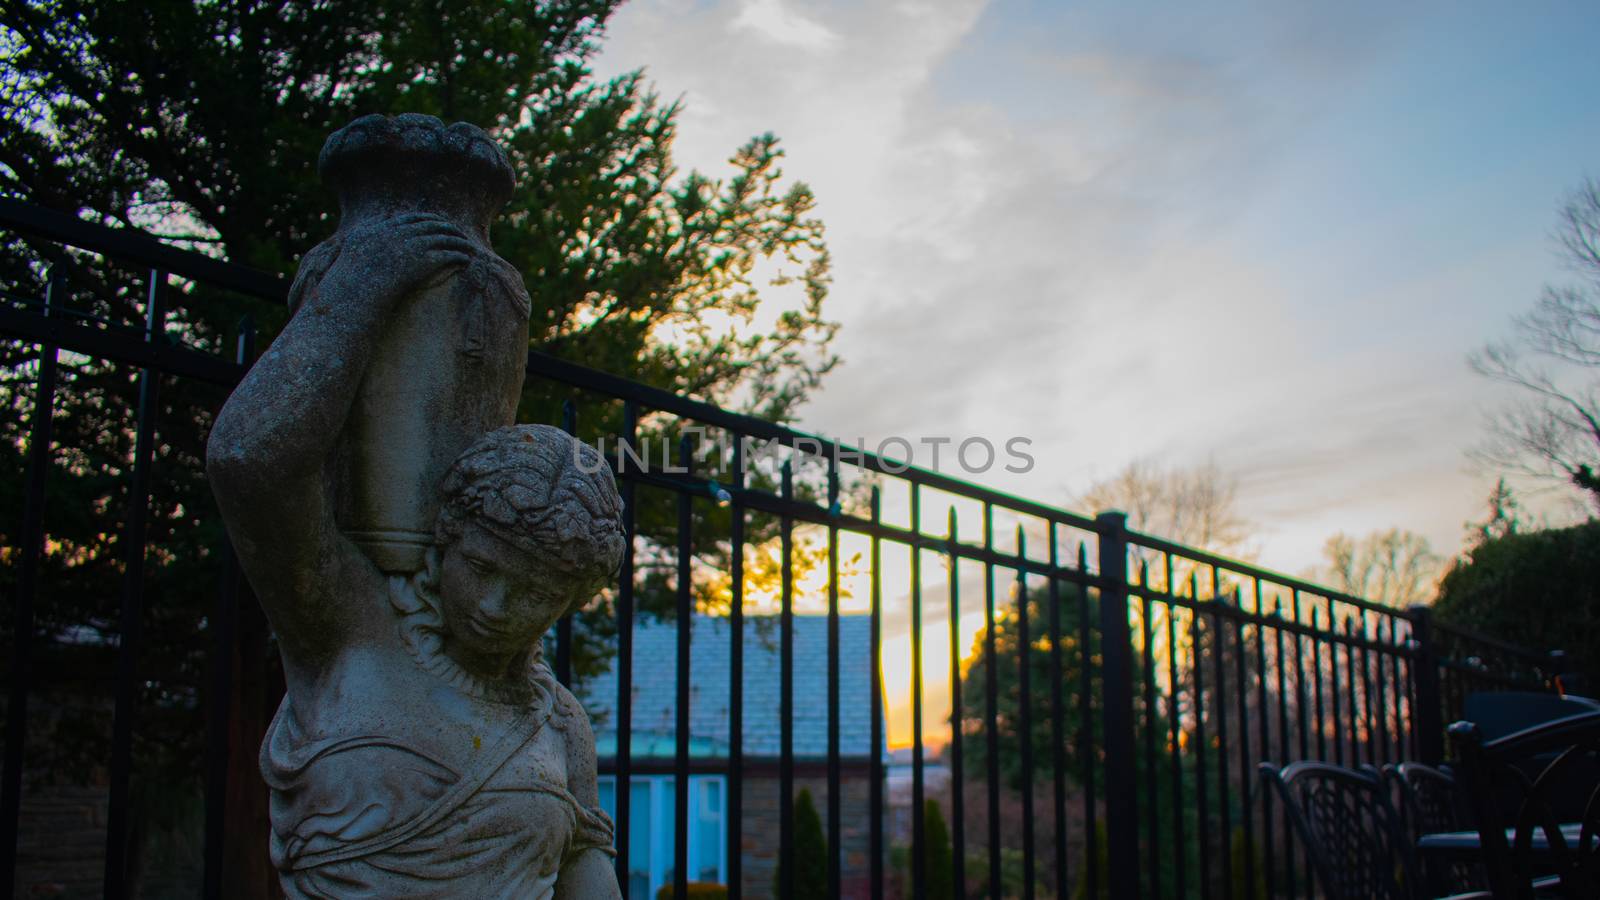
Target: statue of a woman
x=422, y=749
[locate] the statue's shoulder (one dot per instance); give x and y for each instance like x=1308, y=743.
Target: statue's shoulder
x=562, y=703
x=567, y=716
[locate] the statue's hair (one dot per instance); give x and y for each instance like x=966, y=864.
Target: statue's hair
x=539, y=489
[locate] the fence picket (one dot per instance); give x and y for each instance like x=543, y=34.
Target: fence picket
x=1382, y=682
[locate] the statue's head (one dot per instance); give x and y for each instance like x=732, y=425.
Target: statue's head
x=529, y=528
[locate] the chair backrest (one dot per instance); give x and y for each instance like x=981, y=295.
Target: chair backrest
x=1349, y=828
x=1431, y=802
x=1432, y=799
x=1528, y=785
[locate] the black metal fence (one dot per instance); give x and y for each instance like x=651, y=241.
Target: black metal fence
x=1097, y=732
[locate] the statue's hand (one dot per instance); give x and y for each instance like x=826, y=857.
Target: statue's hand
x=390, y=258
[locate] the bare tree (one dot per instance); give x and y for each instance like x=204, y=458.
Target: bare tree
x=1554, y=357
x=1394, y=567
x=1194, y=506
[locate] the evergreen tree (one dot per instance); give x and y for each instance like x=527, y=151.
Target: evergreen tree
x=1248, y=867
x=1008, y=658
x=1102, y=859
x=941, y=871
x=201, y=123
x=1503, y=520
x=810, y=853
x=1008, y=682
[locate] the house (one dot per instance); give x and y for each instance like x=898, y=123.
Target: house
x=654, y=718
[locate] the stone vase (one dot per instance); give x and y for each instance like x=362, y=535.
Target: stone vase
x=451, y=359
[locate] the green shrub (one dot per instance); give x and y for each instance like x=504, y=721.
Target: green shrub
x=1013, y=874
x=940, y=860
x=1539, y=589
x=810, y=853
x=1102, y=866
x=1246, y=853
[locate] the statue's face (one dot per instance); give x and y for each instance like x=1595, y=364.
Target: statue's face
x=495, y=598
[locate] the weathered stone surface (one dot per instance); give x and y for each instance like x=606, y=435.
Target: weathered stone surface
x=450, y=357
x=411, y=546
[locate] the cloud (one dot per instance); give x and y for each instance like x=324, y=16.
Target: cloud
x=1012, y=222
x=1102, y=232
x=779, y=24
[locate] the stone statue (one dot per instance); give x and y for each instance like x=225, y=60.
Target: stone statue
x=411, y=546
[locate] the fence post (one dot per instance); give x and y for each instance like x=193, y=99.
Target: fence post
x=1116, y=703
x=1429, y=717
x=31, y=546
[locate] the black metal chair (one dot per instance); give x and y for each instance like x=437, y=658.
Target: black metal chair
x=1430, y=802
x=1501, y=713
x=1431, y=796
x=1535, y=796
x=1351, y=831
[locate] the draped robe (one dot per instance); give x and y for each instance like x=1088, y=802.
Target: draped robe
x=370, y=800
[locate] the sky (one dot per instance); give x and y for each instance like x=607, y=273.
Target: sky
x=1263, y=234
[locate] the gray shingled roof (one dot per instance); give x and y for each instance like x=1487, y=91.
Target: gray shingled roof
x=655, y=688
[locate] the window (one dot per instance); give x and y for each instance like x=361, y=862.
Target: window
x=650, y=831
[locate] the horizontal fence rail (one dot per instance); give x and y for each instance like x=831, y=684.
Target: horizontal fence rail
x=1084, y=705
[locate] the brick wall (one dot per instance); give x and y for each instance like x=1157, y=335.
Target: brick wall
x=61, y=841
x=761, y=829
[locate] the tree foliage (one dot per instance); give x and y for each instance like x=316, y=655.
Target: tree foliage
x=1008, y=661
x=201, y=123
x=940, y=859
x=1151, y=714
x=631, y=267
x=1538, y=589
x=1503, y=518
x=1553, y=358
x=810, y=853
x=1102, y=885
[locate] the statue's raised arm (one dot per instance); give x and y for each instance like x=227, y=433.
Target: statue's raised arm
x=407, y=342
x=276, y=436
x=412, y=546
